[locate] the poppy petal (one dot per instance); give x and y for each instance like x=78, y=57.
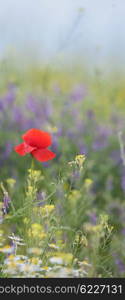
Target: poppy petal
x=37, y=138
x=23, y=149
x=43, y=154
x=20, y=149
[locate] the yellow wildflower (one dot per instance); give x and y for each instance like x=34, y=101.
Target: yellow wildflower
x=88, y=182
x=11, y=182
x=47, y=209
x=80, y=158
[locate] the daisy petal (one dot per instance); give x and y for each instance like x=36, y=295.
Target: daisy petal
x=43, y=154
x=37, y=138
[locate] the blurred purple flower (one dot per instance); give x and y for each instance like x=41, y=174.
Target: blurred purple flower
x=6, y=202
x=41, y=109
x=71, y=134
x=115, y=156
x=100, y=143
x=18, y=115
x=78, y=93
x=1, y=219
x=41, y=196
x=32, y=104
x=46, y=109
x=9, y=98
x=82, y=148
x=104, y=131
x=22, y=121
x=90, y=114
x=60, y=131
x=92, y=218
x=8, y=149
x=123, y=231
x=45, y=164
x=120, y=265
x=123, y=182
x=2, y=106
x=101, y=139
x=75, y=175
x=55, y=144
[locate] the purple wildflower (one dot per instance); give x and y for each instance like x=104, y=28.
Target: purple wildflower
x=18, y=115
x=120, y=265
x=41, y=198
x=6, y=202
x=123, y=231
x=46, y=109
x=92, y=218
x=1, y=105
x=82, y=148
x=8, y=149
x=115, y=156
x=102, y=138
x=90, y=114
x=9, y=98
x=33, y=105
x=78, y=93
x=99, y=144
x=123, y=182
x=1, y=219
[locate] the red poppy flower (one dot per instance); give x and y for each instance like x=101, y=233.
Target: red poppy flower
x=36, y=143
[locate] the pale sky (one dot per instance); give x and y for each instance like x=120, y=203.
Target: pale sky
x=46, y=28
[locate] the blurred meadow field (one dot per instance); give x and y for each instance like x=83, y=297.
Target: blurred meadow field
x=64, y=75
x=64, y=217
